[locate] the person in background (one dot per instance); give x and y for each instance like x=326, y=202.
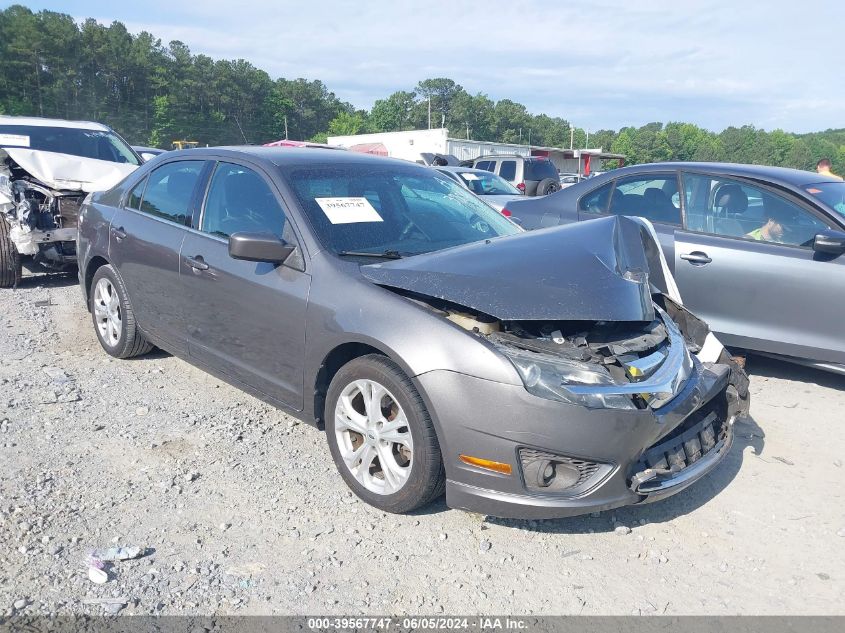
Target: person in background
x=823, y=168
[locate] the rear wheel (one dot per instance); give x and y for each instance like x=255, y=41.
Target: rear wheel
x=547, y=186
x=10, y=260
x=114, y=320
x=381, y=436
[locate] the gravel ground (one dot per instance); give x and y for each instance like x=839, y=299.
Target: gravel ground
x=239, y=508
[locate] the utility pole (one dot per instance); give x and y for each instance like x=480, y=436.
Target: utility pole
x=529, y=137
x=429, y=112
x=467, y=130
x=587, y=142
x=571, y=137
x=286, y=127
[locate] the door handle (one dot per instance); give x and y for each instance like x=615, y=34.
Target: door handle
x=197, y=263
x=119, y=234
x=697, y=258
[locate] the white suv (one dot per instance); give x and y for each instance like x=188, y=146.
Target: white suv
x=533, y=175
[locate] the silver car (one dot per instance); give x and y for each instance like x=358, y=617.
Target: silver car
x=493, y=189
x=757, y=252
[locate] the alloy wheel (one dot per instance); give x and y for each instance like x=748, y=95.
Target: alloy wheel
x=107, y=312
x=373, y=436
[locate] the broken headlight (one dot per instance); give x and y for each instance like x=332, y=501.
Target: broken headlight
x=548, y=377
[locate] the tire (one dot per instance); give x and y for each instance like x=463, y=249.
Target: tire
x=422, y=478
x=10, y=260
x=547, y=186
x=119, y=337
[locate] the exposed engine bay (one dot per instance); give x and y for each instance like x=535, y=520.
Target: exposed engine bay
x=42, y=220
x=41, y=193
x=617, y=364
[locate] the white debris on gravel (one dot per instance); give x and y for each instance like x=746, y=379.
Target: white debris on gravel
x=241, y=511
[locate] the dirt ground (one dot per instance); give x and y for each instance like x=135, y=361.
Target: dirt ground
x=239, y=508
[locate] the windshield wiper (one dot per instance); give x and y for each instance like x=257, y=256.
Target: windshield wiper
x=388, y=254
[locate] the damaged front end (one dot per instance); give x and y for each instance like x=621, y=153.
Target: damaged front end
x=607, y=350
x=41, y=220
x=671, y=370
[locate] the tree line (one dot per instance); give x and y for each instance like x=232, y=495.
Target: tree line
x=153, y=93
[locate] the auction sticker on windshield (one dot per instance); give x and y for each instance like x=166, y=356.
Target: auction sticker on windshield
x=18, y=140
x=348, y=210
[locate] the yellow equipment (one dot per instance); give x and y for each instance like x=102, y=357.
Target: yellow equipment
x=184, y=145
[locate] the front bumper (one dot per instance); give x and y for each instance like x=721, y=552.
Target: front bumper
x=495, y=421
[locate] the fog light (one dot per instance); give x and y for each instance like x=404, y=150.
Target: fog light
x=487, y=464
x=552, y=473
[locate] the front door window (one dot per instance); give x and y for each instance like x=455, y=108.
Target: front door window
x=733, y=208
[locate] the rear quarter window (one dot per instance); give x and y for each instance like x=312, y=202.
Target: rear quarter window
x=507, y=170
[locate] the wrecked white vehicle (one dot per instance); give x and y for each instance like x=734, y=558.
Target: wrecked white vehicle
x=47, y=167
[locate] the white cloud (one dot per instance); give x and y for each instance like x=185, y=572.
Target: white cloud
x=602, y=64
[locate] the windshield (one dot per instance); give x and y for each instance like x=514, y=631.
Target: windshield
x=831, y=193
x=487, y=184
x=395, y=210
x=97, y=144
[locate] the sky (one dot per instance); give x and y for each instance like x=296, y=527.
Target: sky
x=600, y=64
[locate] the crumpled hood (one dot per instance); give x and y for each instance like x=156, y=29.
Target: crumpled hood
x=599, y=270
x=66, y=172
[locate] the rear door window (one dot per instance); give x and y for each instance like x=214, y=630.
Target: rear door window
x=486, y=165
x=170, y=190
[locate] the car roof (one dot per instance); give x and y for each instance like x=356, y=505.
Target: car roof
x=296, y=156
x=784, y=175
x=42, y=122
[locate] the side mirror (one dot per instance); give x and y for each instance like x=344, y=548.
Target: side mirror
x=147, y=156
x=259, y=247
x=830, y=242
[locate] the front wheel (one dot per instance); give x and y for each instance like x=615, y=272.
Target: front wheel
x=114, y=320
x=381, y=437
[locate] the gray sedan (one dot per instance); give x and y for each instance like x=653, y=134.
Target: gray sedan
x=396, y=311
x=757, y=252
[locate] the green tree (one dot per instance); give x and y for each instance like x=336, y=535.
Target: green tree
x=394, y=113
x=441, y=91
x=346, y=124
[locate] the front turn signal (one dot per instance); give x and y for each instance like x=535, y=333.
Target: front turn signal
x=487, y=464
